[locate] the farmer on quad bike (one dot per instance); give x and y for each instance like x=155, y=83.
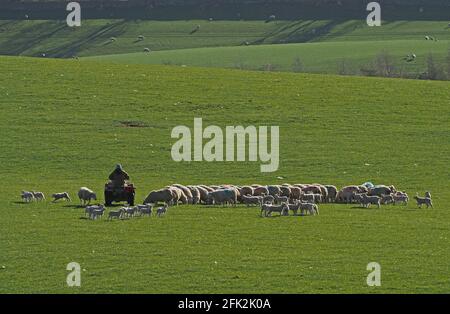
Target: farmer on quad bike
x=118, y=189
x=118, y=176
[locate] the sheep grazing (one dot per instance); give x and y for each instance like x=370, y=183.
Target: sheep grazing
x=310, y=208
x=332, y=193
x=226, y=196
x=423, y=201
x=61, y=196
x=38, y=196
x=27, y=197
x=163, y=195
x=115, y=214
x=86, y=195
x=162, y=210
x=141, y=37
x=251, y=200
x=147, y=50
x=283, y=209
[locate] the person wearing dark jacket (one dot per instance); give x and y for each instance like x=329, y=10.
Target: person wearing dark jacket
x=118, y=176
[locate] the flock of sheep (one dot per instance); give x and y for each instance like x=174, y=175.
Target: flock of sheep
x=281, y=199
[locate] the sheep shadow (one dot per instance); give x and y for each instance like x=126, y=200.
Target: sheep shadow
x=72, y=206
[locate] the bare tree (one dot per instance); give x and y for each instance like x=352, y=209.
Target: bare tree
x=434, y=70
x=384, y=64
x=297, y=65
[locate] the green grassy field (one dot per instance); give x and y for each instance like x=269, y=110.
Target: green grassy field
x=341, y=57
x=60, y=129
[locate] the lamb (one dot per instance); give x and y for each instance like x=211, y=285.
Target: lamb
x=86, y=195
x=97, y=213
x=268, y=199
x=145, y=209
x=283, y=209
x=423, y=201
x=38, y=196
x=61, y=196
x=90, y=209
x=401, y=197
x=280, y=199
x=366, y=200
x=130, y=211
x=312, y=198
x=251, y=200
x=161, y=210
x=387, y=199
x=312, y=208
x=295, y=207
x=115, y=214
x=27, y=197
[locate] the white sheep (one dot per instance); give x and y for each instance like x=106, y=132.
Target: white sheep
x=86, y=195
x=59, y=196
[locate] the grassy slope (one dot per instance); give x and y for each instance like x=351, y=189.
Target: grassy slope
x=323, y=57
x=62, y=133
x=54, y=38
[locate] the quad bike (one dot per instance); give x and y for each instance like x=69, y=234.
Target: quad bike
x=125, y=193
